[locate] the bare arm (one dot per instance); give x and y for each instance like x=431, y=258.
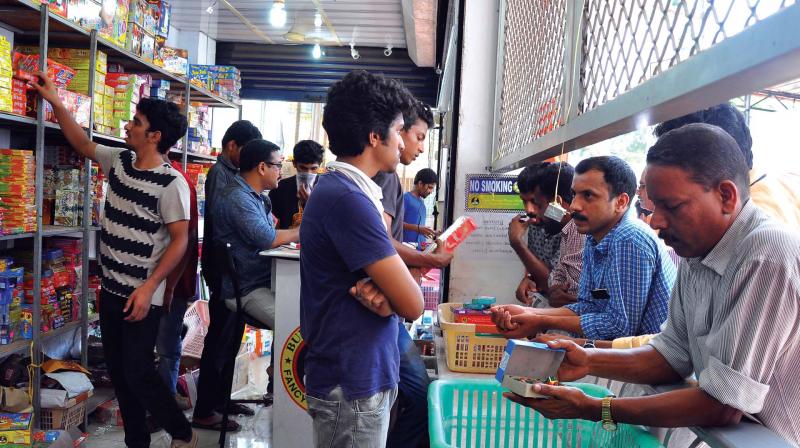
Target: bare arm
x=415, y=258
x=538, y=270
x=686, y=407
x=139, y=301
x=285, y=237
x=642, y=365
x=396, y=283
x=73, y=132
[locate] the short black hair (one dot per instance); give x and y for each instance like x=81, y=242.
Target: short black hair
x=426, y=176
x=618, y=175
x=308, y=151
x=241, y=132
x=165, y=117
x=724, y=115
x=254, y=152
x=547, y=176
x=359, y=104
x=706, y=152
x=526, y=179
x=418, y=111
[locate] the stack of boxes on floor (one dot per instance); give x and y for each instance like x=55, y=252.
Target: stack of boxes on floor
x=60, y=289
x=17, y=191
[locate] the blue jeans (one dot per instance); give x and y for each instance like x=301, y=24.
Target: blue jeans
x=168, y=343
x=342, y=423
x=411, y=424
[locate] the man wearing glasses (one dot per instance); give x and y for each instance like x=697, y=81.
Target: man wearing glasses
x=244, y=220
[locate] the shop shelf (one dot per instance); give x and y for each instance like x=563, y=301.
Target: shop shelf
x=7, y=118
x=50, y=230
x=15, y=347
x=15, y=236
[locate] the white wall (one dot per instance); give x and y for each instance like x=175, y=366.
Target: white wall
x=202, y=49
x=471, y=274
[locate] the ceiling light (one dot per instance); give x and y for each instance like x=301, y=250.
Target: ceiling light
x=210, y=8
x=277, y=15
x=353, y=52
x=317, y=20
x=388, y=51
x=316, y=52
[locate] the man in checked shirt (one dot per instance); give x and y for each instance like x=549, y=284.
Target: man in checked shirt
x=626, y=277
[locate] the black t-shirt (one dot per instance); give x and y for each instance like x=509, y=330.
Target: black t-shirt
x=284, y=201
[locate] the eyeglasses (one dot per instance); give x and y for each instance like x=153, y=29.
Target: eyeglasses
x=276, y=165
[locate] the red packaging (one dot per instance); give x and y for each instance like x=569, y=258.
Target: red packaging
x=26, y=66
x=457, y=233
x=468, y=316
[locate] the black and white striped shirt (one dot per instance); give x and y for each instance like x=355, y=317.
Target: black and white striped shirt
x=734, y=320
x=139, y=205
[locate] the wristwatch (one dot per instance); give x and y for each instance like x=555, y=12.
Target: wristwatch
x=605, y=413
x=589, y=344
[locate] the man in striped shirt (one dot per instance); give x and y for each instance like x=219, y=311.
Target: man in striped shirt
x=734, y=312
x=144, y=237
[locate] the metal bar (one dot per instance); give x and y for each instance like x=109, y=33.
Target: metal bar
x=765, y=54
x=87, y=208
x=573, y=59
x=187, y=96
x=499, y=78
x=36, y=356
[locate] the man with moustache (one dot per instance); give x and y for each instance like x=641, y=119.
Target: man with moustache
x=626, y=277
x=734, y=312
x=547, y=282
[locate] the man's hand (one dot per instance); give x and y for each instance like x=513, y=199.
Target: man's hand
x=526, y=325
x=576, y=361
x=501, y=315
x=441, y=257
x=558, y=296
x=369, y=295
x=517, y=229
x=566, y=403
x=549, y=337
x=525, y=290
x=47, y=89
x=427, y=232
x=139, y=303
x=303, y=195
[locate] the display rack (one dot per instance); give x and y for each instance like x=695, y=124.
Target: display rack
x=28, y=20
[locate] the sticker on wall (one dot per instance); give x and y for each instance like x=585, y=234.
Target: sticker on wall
x=492, y=193
x=292, y=363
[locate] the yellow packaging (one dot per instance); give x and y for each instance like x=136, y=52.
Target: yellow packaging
x=5, y=84
x=78, y=58
x=108, y=90
x=80, y=82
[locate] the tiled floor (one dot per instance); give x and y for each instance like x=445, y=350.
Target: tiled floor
x=256, y=432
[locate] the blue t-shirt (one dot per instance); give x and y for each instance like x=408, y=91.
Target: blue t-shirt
x=347, y=345
x=415, y=213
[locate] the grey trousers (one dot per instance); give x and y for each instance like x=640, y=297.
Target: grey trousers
x=258, y=304
x=342, y=423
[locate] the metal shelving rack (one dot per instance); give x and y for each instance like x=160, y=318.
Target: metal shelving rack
x=27, y=20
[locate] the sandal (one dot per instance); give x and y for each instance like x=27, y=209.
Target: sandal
x=217, y=426
x=240, y=409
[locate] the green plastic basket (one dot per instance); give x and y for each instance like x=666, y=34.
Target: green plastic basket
x=473, y=413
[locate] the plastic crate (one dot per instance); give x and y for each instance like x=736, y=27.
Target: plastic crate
x=466, y=350
x=62, y=418
x=473, y=413
x=196, y=320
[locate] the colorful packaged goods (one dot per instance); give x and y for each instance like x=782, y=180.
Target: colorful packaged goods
x=78, y=105
x=174, y=60
x=26, y=66
x=525, y=364
x=57, y=6
x=164, y=18
x=17, y=188
x=114, y=23
x=455, y=234
x=85, y=13
x=6, y=82
x=146, y=15
x=16, y=428
x=19, y=97
x=140, y=42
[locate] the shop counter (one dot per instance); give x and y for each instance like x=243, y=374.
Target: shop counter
x=291, y=424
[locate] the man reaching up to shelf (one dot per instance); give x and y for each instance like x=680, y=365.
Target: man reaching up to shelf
x=143, y=236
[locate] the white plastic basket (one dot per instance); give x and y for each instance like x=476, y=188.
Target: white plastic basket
x=196, y=320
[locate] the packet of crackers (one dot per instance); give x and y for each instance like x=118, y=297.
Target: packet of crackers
x=525, y=364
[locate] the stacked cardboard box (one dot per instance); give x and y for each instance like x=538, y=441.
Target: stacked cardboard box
x=6, y=84
x=17, y=191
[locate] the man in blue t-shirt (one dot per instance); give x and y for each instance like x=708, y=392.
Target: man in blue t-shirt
x=352, y=359
x=414, y=229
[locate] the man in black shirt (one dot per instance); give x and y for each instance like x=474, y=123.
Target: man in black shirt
x=292, y=192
